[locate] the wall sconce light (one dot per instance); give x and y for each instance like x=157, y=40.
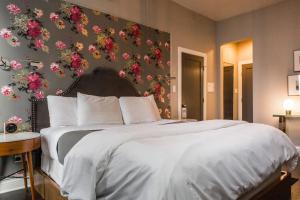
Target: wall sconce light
x=288, y=106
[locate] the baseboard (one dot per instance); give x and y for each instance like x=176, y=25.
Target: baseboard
x=12, y=184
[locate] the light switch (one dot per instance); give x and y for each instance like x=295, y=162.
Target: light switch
x=174, y=88
x=210, y=87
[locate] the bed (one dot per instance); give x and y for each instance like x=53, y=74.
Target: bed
x=167, y=159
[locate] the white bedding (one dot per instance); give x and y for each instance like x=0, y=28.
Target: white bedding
x=51, y=135
x=198, y=160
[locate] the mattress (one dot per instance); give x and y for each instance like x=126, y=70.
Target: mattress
x=54, y=170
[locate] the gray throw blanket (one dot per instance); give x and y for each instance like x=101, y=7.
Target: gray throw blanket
x=68, y=140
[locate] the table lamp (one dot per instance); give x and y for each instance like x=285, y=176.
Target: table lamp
x=288, y=105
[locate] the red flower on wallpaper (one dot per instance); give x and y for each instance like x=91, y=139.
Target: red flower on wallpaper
x=132, y=68
x=25, y=79
x=105, y=43
x=133, y=32
x=155, y=54
x=27, y=24
x=72, y=14
x=71, y=59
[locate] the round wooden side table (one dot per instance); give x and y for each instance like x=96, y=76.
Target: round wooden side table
x=22, y=143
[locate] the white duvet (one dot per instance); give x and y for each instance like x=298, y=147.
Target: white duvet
x=197, y=160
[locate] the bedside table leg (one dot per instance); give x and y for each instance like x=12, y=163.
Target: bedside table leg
x=30, y=169
x=25, y=171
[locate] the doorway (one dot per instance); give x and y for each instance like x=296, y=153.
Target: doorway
x=228, y=92
x=233, y=56
x=192, y=85
x=247, y=92
x=192, y=69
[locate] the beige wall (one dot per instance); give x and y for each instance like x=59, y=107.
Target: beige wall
x=188, y=29
x=275, y=32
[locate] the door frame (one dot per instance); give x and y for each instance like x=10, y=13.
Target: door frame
x=179, y=76
x=240, y=86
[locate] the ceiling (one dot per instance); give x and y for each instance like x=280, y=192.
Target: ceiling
x=223, y=9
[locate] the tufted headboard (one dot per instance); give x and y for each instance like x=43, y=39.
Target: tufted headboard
x=101, y=82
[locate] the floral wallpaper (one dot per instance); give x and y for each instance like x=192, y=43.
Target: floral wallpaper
x=45, y=46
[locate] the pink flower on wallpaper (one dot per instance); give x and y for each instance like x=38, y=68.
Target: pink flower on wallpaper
x=14, y=42
x=136, y=69
x=92, y=48
x=122, y=73
x=79, y=27
x=126, y=56
x=149, y=42
x=147, y=59
x=15, y=119
x=60, y=45
x=13, y=9
x=79, y=72
x=34, y=28
x=138, y=41
x=5, y=34
x=157, y=53
x=108, y=44
x=39, y=13
x=146, y=93
x=169, y=63
x=149, y=77
x=39, y=94
x=55, y=67
x=75, y=60
x=7, y=91
x=97, y=29
x=59, y=91
x=39, y=43
x=34, y=81
x=75, y=14
x=160, y=63
x=139, y=78
x=136, y=30
x=122, y=34
x=15, y=65
x=112, y=55
x=54, y=17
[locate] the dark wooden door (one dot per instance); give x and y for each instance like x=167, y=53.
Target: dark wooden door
x=247, y=94
x=192, y=85
x=228, y=92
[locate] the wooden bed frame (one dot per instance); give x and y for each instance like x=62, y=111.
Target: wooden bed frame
x=280, y=189
x=106, y=82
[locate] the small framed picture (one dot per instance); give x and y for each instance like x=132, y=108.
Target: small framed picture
x=297, y=60
x=294, y=85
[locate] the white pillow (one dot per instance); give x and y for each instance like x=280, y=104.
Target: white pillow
x=137, y=110
x=152, y=100
x=98, y=110
x=62, y=111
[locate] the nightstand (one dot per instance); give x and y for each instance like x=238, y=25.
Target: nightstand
x=22, y=143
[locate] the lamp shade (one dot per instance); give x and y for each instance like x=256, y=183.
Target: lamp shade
x=288, y=104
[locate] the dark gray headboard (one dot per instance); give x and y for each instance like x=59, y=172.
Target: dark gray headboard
x=101, y=82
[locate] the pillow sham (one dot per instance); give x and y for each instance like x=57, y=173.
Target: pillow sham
x=153, y=102
x=98, y=110
x=138, y=110
x=62, y=111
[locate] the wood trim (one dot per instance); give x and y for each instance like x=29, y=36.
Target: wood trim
x=49, y=190
x=46, y=187
x=19, y=147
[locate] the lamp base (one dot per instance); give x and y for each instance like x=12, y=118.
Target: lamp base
x=288, y=112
